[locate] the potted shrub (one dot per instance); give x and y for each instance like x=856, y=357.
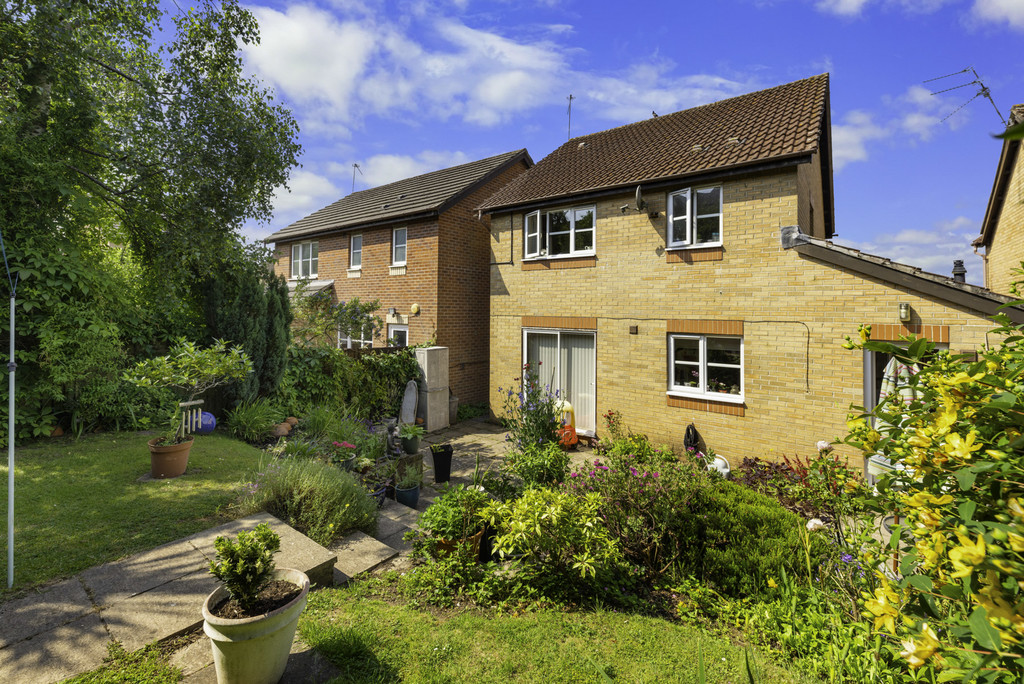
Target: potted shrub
x=442, y=454
x=453, y=519
x=189, y=371
x=410, y=435
x=251, y=619
x=407, y=487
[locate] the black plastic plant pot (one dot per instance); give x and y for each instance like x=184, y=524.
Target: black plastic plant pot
x=442, y=462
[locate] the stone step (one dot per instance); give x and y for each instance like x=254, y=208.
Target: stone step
x=358, y=553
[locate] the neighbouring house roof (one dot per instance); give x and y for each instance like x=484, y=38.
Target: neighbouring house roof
x=1001, y=185
x=412, y=198
x=939, y=286
x=788, y=122
x=312, y=286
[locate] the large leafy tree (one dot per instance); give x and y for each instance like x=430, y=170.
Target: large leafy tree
x=117, y=140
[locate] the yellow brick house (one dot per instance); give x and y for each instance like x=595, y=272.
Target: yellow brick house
x=1002, y=229
x=679, y=270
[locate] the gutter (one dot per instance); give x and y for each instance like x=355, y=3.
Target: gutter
x=654, y=184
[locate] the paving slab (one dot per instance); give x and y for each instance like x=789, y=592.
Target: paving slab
x=359, y=552
x=193, y=657
x=297, y=550
x=162, y=612
x=56, y=654
x=119, y=580
x=42, y=611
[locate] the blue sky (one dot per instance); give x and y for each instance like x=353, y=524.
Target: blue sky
x=404, y=87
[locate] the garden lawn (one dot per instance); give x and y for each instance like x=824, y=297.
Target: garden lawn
x=81, y=503
x=376, y=641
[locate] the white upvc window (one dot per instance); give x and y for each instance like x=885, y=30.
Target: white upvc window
x=305, y=260
x=355, y=251
x=357, y=339
x=563, y=232
x=695, y=217
x=399, y=236
x=398, y=335
x=706, y=365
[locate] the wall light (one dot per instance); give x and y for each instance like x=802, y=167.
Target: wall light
x=392, y=312
x=904, y=310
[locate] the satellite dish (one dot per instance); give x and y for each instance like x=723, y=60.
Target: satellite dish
x=640, y=203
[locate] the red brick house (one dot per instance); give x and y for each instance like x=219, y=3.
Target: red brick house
x=420, y=248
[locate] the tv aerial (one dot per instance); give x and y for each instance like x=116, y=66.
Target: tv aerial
x=983, y=91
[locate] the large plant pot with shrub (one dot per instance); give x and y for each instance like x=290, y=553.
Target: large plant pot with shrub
x=252, y=649
x=168, y=460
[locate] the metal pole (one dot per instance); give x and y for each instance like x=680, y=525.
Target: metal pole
x=11, y=366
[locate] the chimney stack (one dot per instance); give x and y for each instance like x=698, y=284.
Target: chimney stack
x=959, y=271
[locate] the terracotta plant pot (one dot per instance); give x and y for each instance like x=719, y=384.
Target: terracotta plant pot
x=168, y=460
x=448, y=546
x=254, y=650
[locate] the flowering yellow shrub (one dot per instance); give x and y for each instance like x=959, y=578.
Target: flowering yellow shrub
x=957, y=603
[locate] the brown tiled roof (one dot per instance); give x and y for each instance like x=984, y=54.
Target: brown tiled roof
x=421, y=195
x=770, y=124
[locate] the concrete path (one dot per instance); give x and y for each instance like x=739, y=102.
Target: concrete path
x=158, y=595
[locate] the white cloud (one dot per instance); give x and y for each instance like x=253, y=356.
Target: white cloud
x=387, y=168
x=340, y=71
x=1009, y=11
x=850, y=138
x=923, y=113
x=844, y=8
x=307, y=192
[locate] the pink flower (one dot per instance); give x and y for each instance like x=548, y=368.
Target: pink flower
x=346, y=445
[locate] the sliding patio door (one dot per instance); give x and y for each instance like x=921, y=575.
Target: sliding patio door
x=566, y=361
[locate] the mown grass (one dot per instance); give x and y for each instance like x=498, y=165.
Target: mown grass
x=373, y=640
x=79, y=504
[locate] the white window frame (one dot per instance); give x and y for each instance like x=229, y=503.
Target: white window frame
x=355, y=254
x=395, y=261
x=690, y=220
x=393, y=328
x=701, y=390
x=311, y=259
x=535, y=229
x=363, y=340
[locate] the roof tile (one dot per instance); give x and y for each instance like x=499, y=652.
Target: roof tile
x=764, y=125
x=420, y=194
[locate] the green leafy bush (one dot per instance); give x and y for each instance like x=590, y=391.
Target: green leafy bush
x=246, y=565
x=320, y=422
x=318, y=499
x=539, y=465
x=369, y=386
x=455, y=514
x=956, y=425
x=649, y=512
x=253, y=421
x=557, y=535
x=738, y=539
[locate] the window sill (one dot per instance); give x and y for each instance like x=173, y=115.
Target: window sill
x=724, y=397
x=704, y=402
x=689, y=255
x=354, y=272
x=396, y=270
x=296, y=279
x=703, y=245
x=559, y=262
